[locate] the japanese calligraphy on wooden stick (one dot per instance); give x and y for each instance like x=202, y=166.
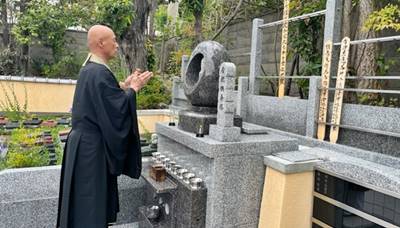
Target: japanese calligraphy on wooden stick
x=284, y=43
x=323, y=100
x=340, y=82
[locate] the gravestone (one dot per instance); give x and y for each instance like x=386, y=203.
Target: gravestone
x=228, y=163
x=224, y=130
x=200, y=82
x=33, y=123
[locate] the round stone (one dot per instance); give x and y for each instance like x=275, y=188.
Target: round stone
x=202, y=74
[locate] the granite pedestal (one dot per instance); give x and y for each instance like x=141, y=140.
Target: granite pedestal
x=233, y=172
x=191, y=121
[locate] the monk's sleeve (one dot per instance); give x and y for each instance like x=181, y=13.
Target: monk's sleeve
x=117, y=120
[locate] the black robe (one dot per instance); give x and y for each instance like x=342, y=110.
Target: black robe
x=103, y=143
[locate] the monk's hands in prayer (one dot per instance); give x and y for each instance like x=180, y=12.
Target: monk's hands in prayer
x=126, y=84
x=137, y=82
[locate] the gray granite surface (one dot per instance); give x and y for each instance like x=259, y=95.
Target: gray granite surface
x=370, y=141
x=256, y=55
x=29, y=183
x=286, y=114
x=313, y=106
x=224, y=134
x=178, y=100
x=292, y=162
x=233, y=172
x=186, y=207
x=381, y=159
x=296, y=156
x=128, y=225
x=243, y=91
x=374, y=118
x=189, y=206
x=247, y=144
x=29, y=197
x=251, y=129
x=300, y=115
x=377, y=171
x=191, y=120
x=366, y=173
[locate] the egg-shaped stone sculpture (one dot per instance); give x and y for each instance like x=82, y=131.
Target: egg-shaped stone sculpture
x=202, y=74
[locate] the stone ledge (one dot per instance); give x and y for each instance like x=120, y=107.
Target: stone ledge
x=25, y=184
x=292, y=162
x=259, y=144
x=151, y=112
x=29, y=197
x=249, y=128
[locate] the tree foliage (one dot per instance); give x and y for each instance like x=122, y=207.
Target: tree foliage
x=118, y=14
x=386, y=18
x=45, y=23
x=192, y=6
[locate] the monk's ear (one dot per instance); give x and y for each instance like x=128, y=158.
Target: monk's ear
x=101, y=43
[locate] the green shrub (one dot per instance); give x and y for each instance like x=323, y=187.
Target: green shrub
x=3, y=164
x=67, y=67
x=154, y=95
x=151, y=56
x=25, y=137
x=31, y=157
x=22, y=151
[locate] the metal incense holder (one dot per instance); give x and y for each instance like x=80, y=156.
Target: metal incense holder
x=187, y=177
x=155, y=155
x=170, y=165
x=160, y=158
x=196, y=183
x=165, y=161
x=181, y=172
x=175, y=168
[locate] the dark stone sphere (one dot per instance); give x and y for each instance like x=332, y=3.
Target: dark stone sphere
x=202, y=74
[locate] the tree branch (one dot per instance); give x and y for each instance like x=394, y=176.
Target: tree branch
x=229, y=20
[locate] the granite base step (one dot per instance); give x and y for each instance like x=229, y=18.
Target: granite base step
x=127, y=225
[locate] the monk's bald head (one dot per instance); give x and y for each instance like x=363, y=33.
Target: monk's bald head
x=101, y=41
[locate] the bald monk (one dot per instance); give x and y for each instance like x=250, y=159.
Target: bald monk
x=104, y=140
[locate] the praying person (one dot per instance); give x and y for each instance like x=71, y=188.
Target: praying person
x=104, y=141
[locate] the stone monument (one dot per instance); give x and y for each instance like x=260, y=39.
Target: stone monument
x=225, y=130
x=229, y=162
x=200, y=82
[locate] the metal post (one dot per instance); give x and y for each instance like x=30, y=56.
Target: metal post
x=255, y=56
x=333, y=24
x=294, y=19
